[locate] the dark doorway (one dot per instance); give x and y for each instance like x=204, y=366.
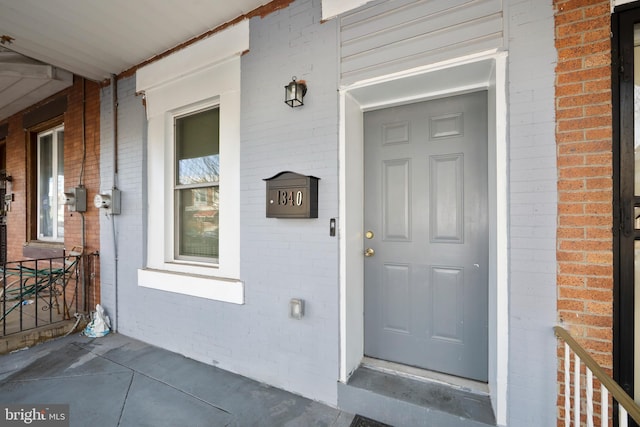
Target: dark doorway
x=626, y=197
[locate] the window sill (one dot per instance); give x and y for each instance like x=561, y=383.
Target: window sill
x=38, y=249
x=213, y=288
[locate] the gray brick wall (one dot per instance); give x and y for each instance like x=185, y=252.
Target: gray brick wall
x=124, y=233
x=533, y=209
x=287, y=258
x=281, y=259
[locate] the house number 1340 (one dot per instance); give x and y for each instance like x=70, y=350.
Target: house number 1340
x=291, y=198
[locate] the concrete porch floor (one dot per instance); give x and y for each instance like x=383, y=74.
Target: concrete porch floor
x=119, y=381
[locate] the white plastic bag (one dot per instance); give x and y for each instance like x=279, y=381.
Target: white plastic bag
x=99, y=325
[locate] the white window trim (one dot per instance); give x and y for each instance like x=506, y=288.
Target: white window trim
x=54, y=133
x=200, y=76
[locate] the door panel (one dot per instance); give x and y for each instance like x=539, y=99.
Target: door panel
x=426, y=204
x=446, y=204
x=397, y=292
x=447, y=308
x=396, y=216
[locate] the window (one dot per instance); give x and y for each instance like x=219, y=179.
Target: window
x=50, y=184
x=197, y=179
x=193, y=168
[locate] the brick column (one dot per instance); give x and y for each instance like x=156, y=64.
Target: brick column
x=585, y=186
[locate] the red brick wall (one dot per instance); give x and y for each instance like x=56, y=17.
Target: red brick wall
x=585, y=186
x=16, y=152
x=73, y=158
x=17, y=166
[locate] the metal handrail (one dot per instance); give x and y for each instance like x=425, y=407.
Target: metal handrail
x=614, y=388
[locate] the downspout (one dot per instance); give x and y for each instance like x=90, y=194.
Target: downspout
x=83, y=242
x=114, y=112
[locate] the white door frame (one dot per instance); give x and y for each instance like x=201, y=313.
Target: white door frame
x=484, y=71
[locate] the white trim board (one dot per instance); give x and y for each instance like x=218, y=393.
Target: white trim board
x=202, y=75
x=478, y=72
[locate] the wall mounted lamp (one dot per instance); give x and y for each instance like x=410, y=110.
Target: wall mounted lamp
x=294, y=92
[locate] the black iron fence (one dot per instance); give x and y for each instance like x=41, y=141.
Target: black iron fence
x=39, y=292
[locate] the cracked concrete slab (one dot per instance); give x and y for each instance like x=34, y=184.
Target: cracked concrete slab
x=118, y=381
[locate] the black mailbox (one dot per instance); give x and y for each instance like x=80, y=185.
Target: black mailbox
x=291, y=195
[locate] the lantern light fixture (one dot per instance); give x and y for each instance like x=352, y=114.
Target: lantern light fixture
x=294, y=92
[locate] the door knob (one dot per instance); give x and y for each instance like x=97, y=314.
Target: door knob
x=369, y=252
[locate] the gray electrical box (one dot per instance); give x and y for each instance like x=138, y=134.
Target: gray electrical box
x=115, y=201
x=76, y=199
x=108, y=200
x=81, y=199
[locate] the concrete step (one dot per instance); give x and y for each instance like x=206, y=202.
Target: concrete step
x=400, y=401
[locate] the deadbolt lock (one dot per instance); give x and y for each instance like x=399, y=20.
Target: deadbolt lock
x=369, y=234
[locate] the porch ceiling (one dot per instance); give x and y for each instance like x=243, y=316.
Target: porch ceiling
x=93, y=39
